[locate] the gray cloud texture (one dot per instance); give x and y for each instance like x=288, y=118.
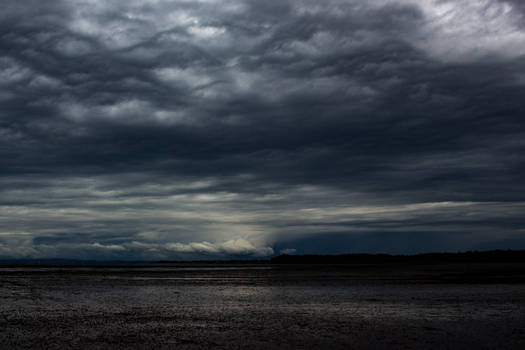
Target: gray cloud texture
x=191, y=129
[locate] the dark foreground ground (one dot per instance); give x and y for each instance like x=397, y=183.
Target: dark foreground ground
x=475, y=306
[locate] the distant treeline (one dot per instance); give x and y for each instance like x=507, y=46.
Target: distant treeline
x=493, y=256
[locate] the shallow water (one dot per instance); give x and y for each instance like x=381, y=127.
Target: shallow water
x=254, y=307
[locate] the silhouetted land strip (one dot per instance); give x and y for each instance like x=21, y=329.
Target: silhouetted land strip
x=493, y=256
x=490, y=267
x=469, y=257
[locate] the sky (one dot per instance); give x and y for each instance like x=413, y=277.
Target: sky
x=219, y=129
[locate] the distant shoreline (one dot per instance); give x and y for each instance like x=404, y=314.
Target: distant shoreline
x=490, y=257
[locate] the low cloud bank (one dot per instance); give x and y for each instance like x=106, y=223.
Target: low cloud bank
x=232, y=247
x=240, y=248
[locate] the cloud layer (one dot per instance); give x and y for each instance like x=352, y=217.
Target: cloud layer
x=184, y=129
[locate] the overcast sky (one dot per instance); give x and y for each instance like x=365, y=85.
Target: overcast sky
x=247, y=128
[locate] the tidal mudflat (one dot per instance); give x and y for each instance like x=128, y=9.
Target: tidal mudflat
x=263, y=307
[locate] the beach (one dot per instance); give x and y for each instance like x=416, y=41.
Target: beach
x=260, y=306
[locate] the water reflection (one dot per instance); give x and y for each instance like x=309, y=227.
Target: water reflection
x=258, y=307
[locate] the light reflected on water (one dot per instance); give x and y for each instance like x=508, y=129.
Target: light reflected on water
x=225, y=305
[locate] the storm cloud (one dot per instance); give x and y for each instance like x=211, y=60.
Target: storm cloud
x=241, y=128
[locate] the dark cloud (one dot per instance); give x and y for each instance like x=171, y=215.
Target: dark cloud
x=169, y=124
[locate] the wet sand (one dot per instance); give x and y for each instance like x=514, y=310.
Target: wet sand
x=264, y=306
